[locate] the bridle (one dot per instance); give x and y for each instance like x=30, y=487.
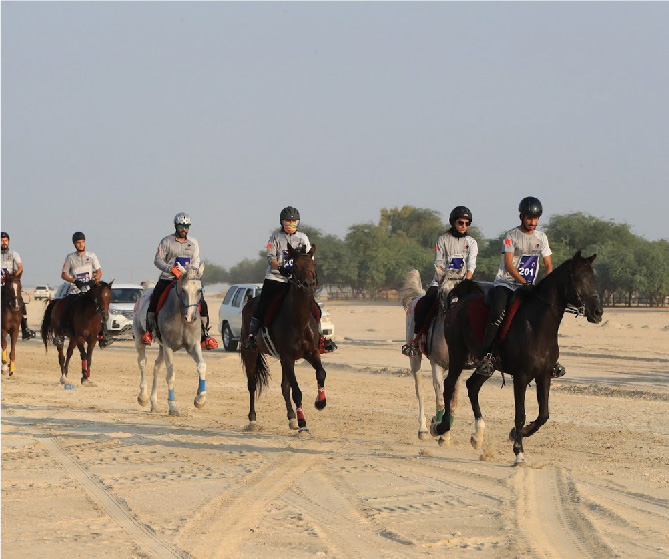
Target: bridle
x=12, y=286
x=577, y=309
x=303, y=285
x=181, y=294
x=96, y=291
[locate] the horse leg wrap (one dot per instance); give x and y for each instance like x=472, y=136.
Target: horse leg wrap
x=88, y=372
x=11, y=367
x=4, y=356
x=202, y=386
x=321, y=394
x=300, y=414
x=170, y=395
x=84, y=365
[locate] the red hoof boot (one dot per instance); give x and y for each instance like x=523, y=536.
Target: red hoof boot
x=147, y=338
x=209, y=343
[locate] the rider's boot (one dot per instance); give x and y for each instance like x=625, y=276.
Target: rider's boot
x=485, y=366
x=206, y=341
x=103, y=336
x=26, y=333
x=558, y=370
x=250, y=341
x=147, y=338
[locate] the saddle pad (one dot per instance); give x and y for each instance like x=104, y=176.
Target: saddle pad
x=478, y=314
x=163, y=296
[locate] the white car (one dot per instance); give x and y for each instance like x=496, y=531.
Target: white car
x=42, y=292
x=121, y=307
x=230, y=314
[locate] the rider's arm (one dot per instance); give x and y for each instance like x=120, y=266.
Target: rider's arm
x=19, y=269
x=548, y=265
x=160, y=260
x=97, y=269
x=511, y=269
x=471, y=257
x=66, y=268
x=273, y=252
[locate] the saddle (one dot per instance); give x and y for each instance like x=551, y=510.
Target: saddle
x=478, y=313
x=275, y=305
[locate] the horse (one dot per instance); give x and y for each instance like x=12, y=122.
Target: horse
x=179, y=327
x=12, y=313
x=292, y=335
x=527, y=346
x=78, y=317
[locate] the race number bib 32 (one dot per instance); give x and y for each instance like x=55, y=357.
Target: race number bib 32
x=528, y=266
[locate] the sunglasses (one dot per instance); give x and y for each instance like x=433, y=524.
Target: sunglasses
x=461, y=222
x=183, y=226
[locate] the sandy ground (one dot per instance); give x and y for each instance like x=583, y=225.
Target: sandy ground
x=88, y=473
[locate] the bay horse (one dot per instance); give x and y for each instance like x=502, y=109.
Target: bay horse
x=78, y=317
x=178, y=322
x=528, y=350
x=12, y=313
x=292, y=335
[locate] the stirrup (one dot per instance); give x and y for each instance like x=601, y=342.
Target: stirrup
x=486, y=367
x=250, y=342
x=209, y=343
x=411, y=349
x=27, y=334
x=147, y=338
x=558, y=371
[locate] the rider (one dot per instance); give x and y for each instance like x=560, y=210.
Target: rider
x=454, y=260
x=521, y=248
x=278, y=271
x=79, y=269
x=175, y=249
x=11, y=263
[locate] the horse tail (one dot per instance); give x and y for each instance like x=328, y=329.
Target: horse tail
x=411, y=288
x=47, y=327
x=261, y=374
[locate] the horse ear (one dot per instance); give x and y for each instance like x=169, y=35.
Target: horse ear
x=591, y=259
x=110, y=283
x=292, y=252
x=577, y=256
x=312, y=250
x=200, y=270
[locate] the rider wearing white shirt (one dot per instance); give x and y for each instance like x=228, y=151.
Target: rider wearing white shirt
x=80, y=268
x=11, y=263
x=523, y=248
x=174, y=249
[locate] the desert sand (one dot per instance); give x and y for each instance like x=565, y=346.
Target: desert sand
x=89, y=473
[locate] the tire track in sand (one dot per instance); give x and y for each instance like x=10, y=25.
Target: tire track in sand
x=221, y=526
x=143, y=536
x=547, y=520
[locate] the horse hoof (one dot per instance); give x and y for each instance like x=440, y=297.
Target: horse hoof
x=304, y=430
x=476, y=443
x=143, y=401
x=292, y=423
x=253, y=426
x=423, y=435
x=320, y=404
x=441, y=441
x=200, y=399
x=174, y=413
x=520, y=460
x=433, y=429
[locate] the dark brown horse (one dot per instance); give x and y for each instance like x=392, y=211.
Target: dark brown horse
x=292, y=335
x=528, y=350
x=12, y=312
x=78, y=317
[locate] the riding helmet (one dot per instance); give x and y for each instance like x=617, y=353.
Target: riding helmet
x=460, y=211
x=531, y=207
x=4, y=235
x=78, y=236
x=182, y=219
x=289, y=214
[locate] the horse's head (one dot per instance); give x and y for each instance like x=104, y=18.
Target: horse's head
x=189, y=290
x=102, y=294
x=304, y=269
x=582, y=290
x=11, y=291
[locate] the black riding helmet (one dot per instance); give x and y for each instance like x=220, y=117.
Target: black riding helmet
x=460, y=211
x=78, y=236
x=289, y=214
x=4, y=235
x=531, y=207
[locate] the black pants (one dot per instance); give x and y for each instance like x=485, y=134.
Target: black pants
x=429, y=299
x=270, y=289
x=158, y=291
x=498, y=299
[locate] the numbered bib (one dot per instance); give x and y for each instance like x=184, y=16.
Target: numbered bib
x=183, y=260
x=287, y=262
x=528, y=267
x=456, y=263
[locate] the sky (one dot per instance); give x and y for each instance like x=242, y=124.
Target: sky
x=118, y=115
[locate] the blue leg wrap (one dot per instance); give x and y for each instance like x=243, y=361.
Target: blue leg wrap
x=202, y=387
x=170, y=395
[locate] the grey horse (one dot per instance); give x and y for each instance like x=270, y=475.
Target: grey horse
x=179, y=326
x=409, y=294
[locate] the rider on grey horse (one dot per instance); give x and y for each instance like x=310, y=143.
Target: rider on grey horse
x=175, y=249
x=11, y=263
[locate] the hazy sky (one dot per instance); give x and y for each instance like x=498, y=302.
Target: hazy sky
x=117, y=115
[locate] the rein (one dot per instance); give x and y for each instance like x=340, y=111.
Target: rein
x=180, y=295
x=577, y=310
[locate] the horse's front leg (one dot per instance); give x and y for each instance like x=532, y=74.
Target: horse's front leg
x=201, y=396
x=443, y=428
x=543, y=387
x=414, y=366
x=288, y=374
x=314, y=359
x=65, y=360
x=157, y=366
x=516, y=435
x=438, y=386
x=170, y=378
x=12, y=350
x=285, y=391
x=143, y=397
x=86, y=358
x=474, y=384
x=5, y=365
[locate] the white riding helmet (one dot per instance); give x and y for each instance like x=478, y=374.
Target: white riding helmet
x=182, y=219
